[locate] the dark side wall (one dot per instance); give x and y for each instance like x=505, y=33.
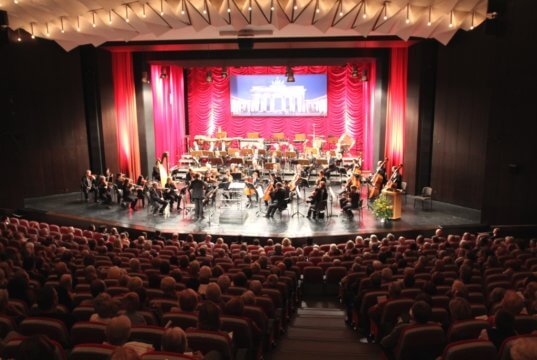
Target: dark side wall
x=484, y=144
x=43, y=140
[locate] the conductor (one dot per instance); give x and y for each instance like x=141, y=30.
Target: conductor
x=197, y=194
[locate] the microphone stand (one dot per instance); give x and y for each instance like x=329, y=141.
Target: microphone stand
x=297, y=210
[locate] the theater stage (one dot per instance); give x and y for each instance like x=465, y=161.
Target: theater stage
x=232, y=224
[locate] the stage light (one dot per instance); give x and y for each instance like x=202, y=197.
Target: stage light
x=145, y=77
x=93, y=17
x=407, y=13
x=385, y=10
x=61, y=22
x=78, y=23
x=48, y=32
x=272, y=8
x=228, y=10
x=163, y=72
x=364, y=75
x=354, y=72
x=472, y=25
x=162, y=7
x=224, y=72
x=289, y=74
x=430, y=11
x=365, y=9
x=19, y=39
x=110, y=17
x=126, y=13
x=32, y=30
x=143, y=10
x=209, y=77
x=451, y=19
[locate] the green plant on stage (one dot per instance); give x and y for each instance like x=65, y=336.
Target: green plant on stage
x=382, y=208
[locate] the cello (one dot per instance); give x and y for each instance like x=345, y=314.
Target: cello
x=391, y=184
x=376, y=181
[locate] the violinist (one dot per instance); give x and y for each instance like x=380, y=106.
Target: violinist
x=103, y=189
x=129, y=195
x=317, y=200
x=108, y=175
x=141, y=188
x=87, y=185
x=278, y=200
x=170, y=194
x=320, y=178
x=155, y=194
x=351, y=201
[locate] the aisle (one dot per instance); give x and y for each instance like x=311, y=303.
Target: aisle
x=318, y=331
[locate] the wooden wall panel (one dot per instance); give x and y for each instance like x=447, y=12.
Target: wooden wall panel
x=461, y=119
x=43, y=146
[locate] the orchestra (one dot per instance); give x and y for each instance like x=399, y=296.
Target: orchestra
x=258, y=165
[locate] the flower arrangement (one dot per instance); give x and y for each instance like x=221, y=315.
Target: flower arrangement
x=382, y=208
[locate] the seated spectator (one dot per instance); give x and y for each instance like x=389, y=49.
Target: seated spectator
x=209, y=316
x=105, y=309
x=256, y=287
x=224, y=282
x=36, y=347
x=47, y=306
x=460, y=309
x=248, y=297
x=118, y=332
x=213, y=293
x=420, y=313
x=234, y=306
x=504, y=327
x=524, y=349
x=65, y=291
x=124, y=353
x=188, y=300
x=495, y=298
x=174, y=340
x=167, y=285
x=513, y=303
x=131, y=305
x=7, y=309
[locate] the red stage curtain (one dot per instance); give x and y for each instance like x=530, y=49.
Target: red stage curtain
x=168, y=111
x=396, y=106
x=350, y=106
x=126, y=121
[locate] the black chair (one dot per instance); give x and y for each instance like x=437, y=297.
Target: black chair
x=426, y=195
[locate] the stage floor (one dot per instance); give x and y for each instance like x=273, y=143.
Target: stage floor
x=246, y=223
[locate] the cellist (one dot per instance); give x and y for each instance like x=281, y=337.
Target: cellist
x=378, y=180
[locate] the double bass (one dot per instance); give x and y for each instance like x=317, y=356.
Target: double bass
x=391, y=184
x=376, y=181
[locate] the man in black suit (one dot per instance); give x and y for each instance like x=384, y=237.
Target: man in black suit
x=396, y=179
x=279, y=200
x=197, y=194
x=317, y=200
x=87, y=185
x=155, y=194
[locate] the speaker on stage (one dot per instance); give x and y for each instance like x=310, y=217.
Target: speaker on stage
x=496, y=17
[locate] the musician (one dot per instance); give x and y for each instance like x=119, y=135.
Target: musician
x=381, y=169
x=141, y=188
x=197, y=193
x=156, y=171
x=170, y=194
x=251, y=186
x=87, y=185
x=189, y=176
x=317, y=200
x=103, y=189
x=155, y=194
x=332, y=166
x=320, y=178
x=278, y=200
x=108, y=175
x=351, y=201
x=396, y=179
x=129, y=194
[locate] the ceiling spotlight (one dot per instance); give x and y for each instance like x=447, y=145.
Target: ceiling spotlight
x=209, y=77
x=143, y=10
x=472, y=25
x=78, y=23
x=61, y=23
x=163, y=72
x=451, y=19
x=430, y=12
x=127, y=13
x=365, y=9
x=385, y=10
x=228, y=10
x=364, y=75
x=161, y=7
x=110, y=17
x=289, y=74
x=354, y=72
x=93, y=21
x=224, y=72
x=19, y=39
x=249, y=8
x=145, y=77
x=32, y=30
x=296, y=7
x=272, y=8
x=318, y=10
x=48, y=32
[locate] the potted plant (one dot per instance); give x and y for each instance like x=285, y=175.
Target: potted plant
x=382, y=208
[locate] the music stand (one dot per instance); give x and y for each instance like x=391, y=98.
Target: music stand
x=332, y=196
x=298, y=196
